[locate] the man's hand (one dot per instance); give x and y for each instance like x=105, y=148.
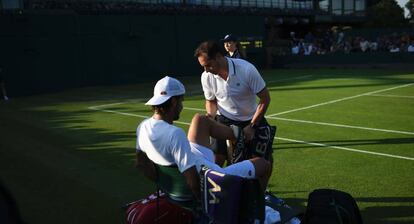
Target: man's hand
x=248, y=133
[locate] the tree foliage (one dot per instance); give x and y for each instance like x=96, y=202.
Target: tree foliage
x=386, y=13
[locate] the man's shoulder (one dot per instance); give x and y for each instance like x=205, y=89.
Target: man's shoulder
x=244, y=67
x=242, y=62
x=151, y=123
x=205, y=74
x=143, y=123
x=207, y=78
x=176, y=129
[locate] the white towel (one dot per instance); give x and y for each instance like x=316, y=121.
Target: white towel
x=294, y=220
x=272, y=216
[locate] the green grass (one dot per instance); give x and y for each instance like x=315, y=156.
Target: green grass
x=66, y=161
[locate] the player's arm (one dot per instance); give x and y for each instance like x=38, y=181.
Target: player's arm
x=193, y=181
x=145, y=166
x=211, y=108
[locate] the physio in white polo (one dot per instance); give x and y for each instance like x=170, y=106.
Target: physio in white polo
x=231, y=87
x=236, y=96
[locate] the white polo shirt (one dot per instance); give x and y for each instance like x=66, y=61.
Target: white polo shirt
x=165, y=144
x=236, y=96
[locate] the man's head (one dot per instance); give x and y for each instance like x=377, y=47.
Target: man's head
x=210, y=57
x=168, y=97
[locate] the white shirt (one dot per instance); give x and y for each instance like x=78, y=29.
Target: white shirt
x=410, y=48
x=295, y=50
x=236, y=96
x=395, y=49
x=165, y=144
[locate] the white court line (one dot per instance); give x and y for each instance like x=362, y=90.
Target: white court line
x=324, y=123
x=289, y=79
x=284, y=139
x=106, y=105
x=113, y=104
x=345, y=148
x=342, y=125
x=196, y=109
x=396, y=96
x=129, y=114
x=339, y=100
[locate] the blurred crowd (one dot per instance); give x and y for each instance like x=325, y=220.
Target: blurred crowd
x=338, y=41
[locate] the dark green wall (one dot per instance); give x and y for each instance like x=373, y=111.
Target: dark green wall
x=53, y=50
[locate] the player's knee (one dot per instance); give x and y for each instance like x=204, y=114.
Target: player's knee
x=262, y=166
x=267, y=167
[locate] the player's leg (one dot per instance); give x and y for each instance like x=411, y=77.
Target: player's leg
x=253, y=168
x=263, y=170
x=202, y=127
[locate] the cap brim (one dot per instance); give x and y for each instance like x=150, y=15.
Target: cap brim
x=157, y=100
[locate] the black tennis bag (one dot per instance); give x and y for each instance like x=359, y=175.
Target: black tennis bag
x=327, y=206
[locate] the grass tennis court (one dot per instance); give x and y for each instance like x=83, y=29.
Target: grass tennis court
x=68, y=157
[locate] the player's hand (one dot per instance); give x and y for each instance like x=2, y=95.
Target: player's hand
x=248, y=133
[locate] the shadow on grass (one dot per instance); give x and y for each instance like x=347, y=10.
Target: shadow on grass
x=79, y=165
x=380, y=213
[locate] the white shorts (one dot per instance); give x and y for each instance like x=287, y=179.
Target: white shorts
x=243, y=169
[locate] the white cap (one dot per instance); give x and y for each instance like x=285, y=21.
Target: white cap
x=165, y=89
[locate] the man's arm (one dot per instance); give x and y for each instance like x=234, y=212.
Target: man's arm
x=145, y=165
x=259, y=114
x=262, y=106
x=193, y=181
x=211, y=108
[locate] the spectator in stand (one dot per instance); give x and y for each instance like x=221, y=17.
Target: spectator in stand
x=411, y=47
x=394, y=49
x=327, y=41
x=348, y=45
x=364, y=44
x=308, y=43
x=295, y=49
x=373, y=46
x=294, y=44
